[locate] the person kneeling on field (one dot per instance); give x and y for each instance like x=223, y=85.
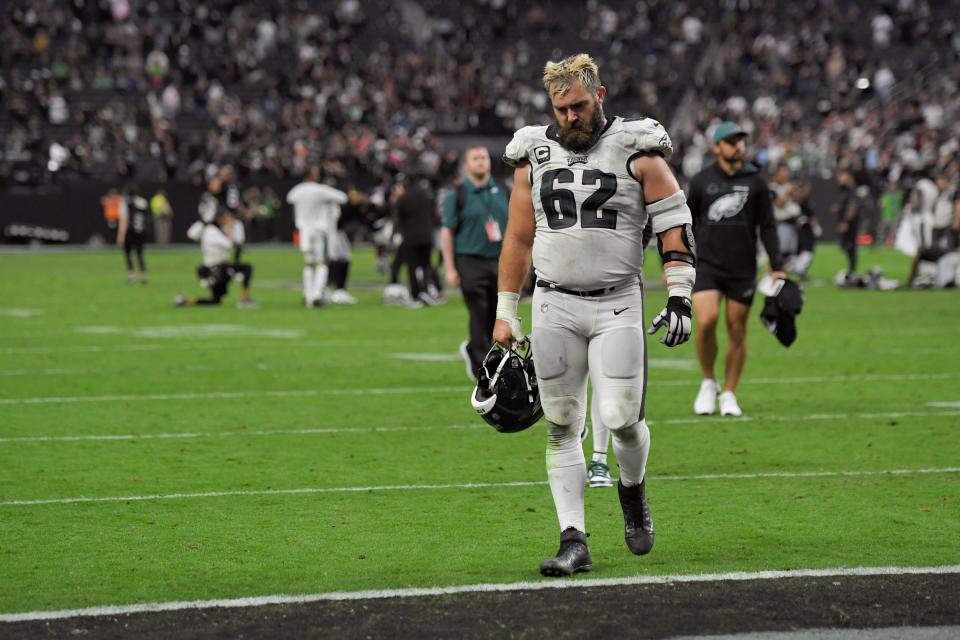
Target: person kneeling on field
x=217, y=269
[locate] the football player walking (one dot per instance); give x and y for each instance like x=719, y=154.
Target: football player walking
x=583, y=190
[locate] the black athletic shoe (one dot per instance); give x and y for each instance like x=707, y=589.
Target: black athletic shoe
x=637, y=521
x=572, y=557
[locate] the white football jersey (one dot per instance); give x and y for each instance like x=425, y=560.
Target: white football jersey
x=215, y=246
x=790, y=209
x=589, y=208
x=316, y=207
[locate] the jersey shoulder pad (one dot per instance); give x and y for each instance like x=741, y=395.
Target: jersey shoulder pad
x=195, y=231
x=523, y=145
x=645, y=135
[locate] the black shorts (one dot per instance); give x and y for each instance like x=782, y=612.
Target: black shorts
x=740, y=289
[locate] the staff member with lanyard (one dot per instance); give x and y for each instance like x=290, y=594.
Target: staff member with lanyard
x=474, y=219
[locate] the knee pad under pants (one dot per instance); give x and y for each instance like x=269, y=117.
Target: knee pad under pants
x=636, y=434
x=561, y=360
x=617, y=360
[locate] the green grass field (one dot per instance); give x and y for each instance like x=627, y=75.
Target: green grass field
x=281, y=450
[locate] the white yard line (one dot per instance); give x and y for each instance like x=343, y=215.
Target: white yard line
x=91, y=348
x=140, y=369
x=359, y=391
x=543, y=585
x=48, y=372
x=813, y=417
x=228, y=342
x=869, y=377
x=470, y=485
x=271, y=492
x=456, y=389
x=822, y=417
x=210, y=343
x=20, y=313
x=426, y=357
x=415, y=357
x=229, y=434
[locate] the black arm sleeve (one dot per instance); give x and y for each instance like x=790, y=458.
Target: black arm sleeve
x=647, y=232
x=767, y=227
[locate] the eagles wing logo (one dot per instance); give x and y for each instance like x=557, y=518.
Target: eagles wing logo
x=727, y=206
x=666, y=144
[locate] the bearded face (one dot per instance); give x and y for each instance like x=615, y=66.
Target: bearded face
x=581, y=134
x=732, y=150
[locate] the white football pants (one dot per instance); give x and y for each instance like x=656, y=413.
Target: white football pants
x=603, y=338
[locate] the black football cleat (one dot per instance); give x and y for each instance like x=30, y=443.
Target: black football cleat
x=573, y=556
x=637, y=521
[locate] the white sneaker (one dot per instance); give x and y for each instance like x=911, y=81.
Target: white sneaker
x=466, y=360
x=706, y=402
x=340, y=296
x=728, y=405
x=428, y=299
x=598, y=474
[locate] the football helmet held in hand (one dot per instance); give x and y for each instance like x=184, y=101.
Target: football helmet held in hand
x=506, y=395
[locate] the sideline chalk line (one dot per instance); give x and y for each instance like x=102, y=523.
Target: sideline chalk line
x=149, y=607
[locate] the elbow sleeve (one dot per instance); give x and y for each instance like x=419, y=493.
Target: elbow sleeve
x=670, y=212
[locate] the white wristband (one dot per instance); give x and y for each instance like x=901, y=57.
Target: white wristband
x=680, y=280
x=507, y=303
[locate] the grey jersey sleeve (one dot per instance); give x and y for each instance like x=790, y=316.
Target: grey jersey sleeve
x=648, y=136
x=518, y=149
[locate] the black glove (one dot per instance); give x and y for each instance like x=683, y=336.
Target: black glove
x=676, y=318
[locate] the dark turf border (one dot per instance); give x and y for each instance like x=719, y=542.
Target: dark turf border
x=640, y=611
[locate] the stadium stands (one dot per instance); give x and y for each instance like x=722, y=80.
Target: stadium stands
x=108, y=90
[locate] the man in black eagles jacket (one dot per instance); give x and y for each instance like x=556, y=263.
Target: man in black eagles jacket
x=731, y=206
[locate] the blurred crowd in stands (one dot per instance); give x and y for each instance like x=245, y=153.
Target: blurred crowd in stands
x=160, y=90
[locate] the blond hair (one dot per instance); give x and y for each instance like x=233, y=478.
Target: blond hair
x=558, y=77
